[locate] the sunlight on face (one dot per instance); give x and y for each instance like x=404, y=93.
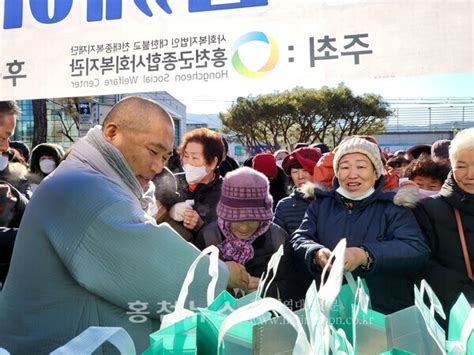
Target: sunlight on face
x=356, y=174
x=463, y=170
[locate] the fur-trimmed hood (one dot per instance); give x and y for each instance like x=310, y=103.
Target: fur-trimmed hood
x=308, y=189
x=51, y=149
x=408, y=196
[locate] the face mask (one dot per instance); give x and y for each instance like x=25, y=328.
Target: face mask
x=47, y=165
x=427, y=193
x=194, y=173
x=343, y=192
x=3, y=162
x=279, y=163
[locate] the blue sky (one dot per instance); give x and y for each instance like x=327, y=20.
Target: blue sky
x=456, y=85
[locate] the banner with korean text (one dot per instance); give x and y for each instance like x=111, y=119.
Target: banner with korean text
x=70, y=48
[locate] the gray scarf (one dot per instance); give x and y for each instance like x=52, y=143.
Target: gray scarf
x=106, y=159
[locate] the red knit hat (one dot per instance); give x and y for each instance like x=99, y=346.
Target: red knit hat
x=266, y=164
x=306, y=157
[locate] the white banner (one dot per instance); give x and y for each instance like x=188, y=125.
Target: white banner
x=67, y=48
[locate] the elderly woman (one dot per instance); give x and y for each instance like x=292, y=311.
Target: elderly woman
x=299, y=165
x=449, y=270
x=245, y=234
x=384, y=242
x=199, y=186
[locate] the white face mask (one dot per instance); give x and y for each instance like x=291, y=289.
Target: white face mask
x=427, y=193
x=47, y=165
x=3, y=162
x=352, y=197
x=194, y=173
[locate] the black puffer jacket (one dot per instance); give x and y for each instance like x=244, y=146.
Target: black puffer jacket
x=446, y=271
x=8, y=232
x=205, y=196
x=286, y=284
x=290, y=211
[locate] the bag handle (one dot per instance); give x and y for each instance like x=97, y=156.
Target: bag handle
x=180, y=312
x=437, y=333
x=351, y=282
x=462, y=238
x=260, y=307
x=314, y=318
x=213, y=273
x=330, y=289
x=435, y=303
x=93, y=337
x=272, y=266
x=361, y=302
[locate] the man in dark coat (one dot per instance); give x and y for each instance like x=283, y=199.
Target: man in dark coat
x=12, y=207
x=228, y=163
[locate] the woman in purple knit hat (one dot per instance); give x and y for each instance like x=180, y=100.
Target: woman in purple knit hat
x=245, y=234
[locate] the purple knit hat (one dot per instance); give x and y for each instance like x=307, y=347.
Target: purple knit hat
x=245, y=196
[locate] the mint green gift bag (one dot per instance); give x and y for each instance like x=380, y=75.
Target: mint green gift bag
x=461, y=324
x=369, y=333
x=415, y=328
x=211, y=318
x=232, y=324
x=276, y=336
x=178, y=339
x=177, y=334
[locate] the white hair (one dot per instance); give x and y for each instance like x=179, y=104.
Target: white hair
x=464, y=140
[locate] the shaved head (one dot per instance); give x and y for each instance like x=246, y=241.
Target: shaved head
x=134, y=114
x=143, y=132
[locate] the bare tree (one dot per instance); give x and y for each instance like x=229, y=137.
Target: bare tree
x=40, y=121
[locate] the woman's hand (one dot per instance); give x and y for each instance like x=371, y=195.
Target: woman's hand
x=253, y=283
x=354, y=258
x=321, y=257
x=238, y=276
x=192, y=220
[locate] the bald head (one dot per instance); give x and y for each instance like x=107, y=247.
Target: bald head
x=143, y=132
x=135, y=114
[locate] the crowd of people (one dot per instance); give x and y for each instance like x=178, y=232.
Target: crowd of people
x=92, y=237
